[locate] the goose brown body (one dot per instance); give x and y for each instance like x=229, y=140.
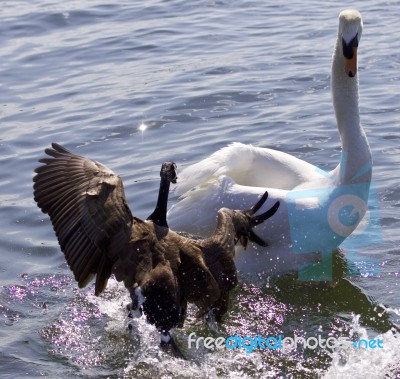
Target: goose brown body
x=99, y=236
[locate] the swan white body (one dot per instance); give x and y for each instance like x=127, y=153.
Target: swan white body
x=319, y=209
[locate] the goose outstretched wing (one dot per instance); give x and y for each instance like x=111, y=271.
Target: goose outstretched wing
x=87, y=207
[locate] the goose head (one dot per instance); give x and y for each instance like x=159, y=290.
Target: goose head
x=244, y=221
x=168, y=172
x=350, y=30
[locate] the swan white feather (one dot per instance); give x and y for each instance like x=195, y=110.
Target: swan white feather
x=251, y=166
x=319, y=209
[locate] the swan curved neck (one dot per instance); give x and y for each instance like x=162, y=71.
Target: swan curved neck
x=159, y=216
x=355, y=166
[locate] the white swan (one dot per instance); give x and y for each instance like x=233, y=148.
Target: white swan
x=319, y=209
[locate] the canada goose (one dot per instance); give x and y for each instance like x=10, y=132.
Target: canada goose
x=163, y=270
x=333, y=201
x=219, y=249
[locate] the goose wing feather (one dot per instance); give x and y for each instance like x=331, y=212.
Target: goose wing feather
x=197, y=282
x=87, y=207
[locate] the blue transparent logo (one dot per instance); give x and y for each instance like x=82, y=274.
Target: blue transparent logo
x=321, y=219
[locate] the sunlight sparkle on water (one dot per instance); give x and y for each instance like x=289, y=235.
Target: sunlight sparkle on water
x=142, y=127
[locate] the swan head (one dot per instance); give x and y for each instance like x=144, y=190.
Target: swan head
x=350, y=30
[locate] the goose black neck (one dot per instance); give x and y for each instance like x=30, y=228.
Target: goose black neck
x=159, y=216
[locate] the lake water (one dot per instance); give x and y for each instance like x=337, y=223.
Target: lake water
x=199, y=74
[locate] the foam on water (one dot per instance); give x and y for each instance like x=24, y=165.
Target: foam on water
x=144, y=357
x=351, y=361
